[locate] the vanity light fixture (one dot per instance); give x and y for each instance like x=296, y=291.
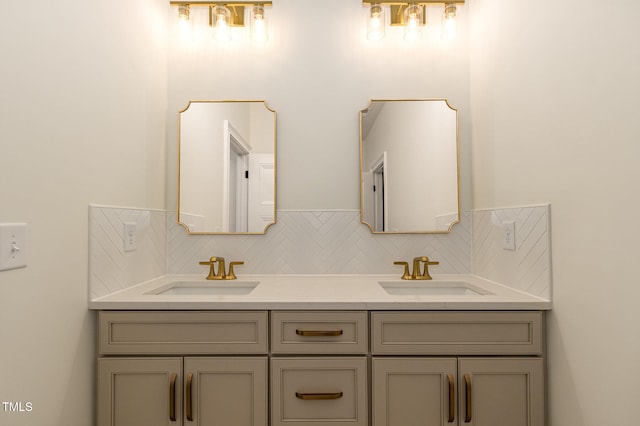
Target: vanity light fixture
x=225, y=15
x=412, y=16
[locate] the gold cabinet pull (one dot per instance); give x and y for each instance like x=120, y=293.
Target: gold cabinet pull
x=467, y=381
x=452, y=400
x=317, y=333
x=172, y=397
x=318, y=396
x=188, y=408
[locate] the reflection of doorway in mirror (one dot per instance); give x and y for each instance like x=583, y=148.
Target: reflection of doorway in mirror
x=235, y=190
x=380, y=194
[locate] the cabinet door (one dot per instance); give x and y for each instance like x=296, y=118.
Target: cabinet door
x=501, y=391
x=414, y=391
x=225, y=391
x=139, y=391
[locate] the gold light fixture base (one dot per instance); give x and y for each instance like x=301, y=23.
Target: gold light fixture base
x=397, y=14
x=237, y=16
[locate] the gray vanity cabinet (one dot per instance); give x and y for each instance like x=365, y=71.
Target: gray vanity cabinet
x=139, y=384
x=493, y=376
x=321, y=368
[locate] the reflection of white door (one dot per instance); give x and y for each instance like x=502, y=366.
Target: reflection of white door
x=238, y=191
x=261, y=191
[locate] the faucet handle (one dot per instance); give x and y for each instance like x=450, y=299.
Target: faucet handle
x=406, y=275
x=231, y=275
x=428, y=263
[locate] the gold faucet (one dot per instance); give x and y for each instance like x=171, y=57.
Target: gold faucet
x=220, y=274
x=417, y=273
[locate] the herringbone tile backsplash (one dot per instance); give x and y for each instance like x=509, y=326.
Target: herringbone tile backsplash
x=110, y=267
x=528, y=268
x=319, y=242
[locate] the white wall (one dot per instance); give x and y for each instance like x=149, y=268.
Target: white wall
x=82, y=112
x=554, y=93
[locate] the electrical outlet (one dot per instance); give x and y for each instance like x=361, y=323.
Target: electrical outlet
x=130, y=236
x=509, y=235
x=13, y=246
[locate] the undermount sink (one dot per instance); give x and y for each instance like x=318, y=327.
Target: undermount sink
x=433, y=288
x=216, y=288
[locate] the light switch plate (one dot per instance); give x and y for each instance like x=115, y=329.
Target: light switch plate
x=509, y=235
x=13, y=246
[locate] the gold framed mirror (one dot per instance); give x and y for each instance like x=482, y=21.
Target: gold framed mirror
x=227, y=167
x=409, y=166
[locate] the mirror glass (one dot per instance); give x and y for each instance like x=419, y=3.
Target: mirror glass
x=227, y=167
x=409, y=166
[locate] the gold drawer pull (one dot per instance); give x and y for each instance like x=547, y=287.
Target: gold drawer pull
x=172, y=397
x=452, y=396
x=467, y=381
x=188, y=397
x=318, y=396
x=314, y=333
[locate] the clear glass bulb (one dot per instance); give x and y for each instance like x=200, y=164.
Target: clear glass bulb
x=375, y=23
x=259, y=24
x=221, y=22
x=184, y=22
x=413, y=21
x=449, y=22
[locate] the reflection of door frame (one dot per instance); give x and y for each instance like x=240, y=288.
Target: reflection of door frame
x=380, y=173
x=233, y=141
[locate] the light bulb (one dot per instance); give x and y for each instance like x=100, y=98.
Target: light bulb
x=259, y=24
x=412, y=21
x=449, y=22
x=183, y=12
x=375, y=23
x=221, y=22
x=184, y=22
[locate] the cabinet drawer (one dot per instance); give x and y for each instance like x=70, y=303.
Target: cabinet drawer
x=319, y=391
x=457, y=333
x=323, y=332
x=195, y=332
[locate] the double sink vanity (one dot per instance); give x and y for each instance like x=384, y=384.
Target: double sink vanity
x=321, y=350
x=406, y=349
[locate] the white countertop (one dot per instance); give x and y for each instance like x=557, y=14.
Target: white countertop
x=321, y=292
